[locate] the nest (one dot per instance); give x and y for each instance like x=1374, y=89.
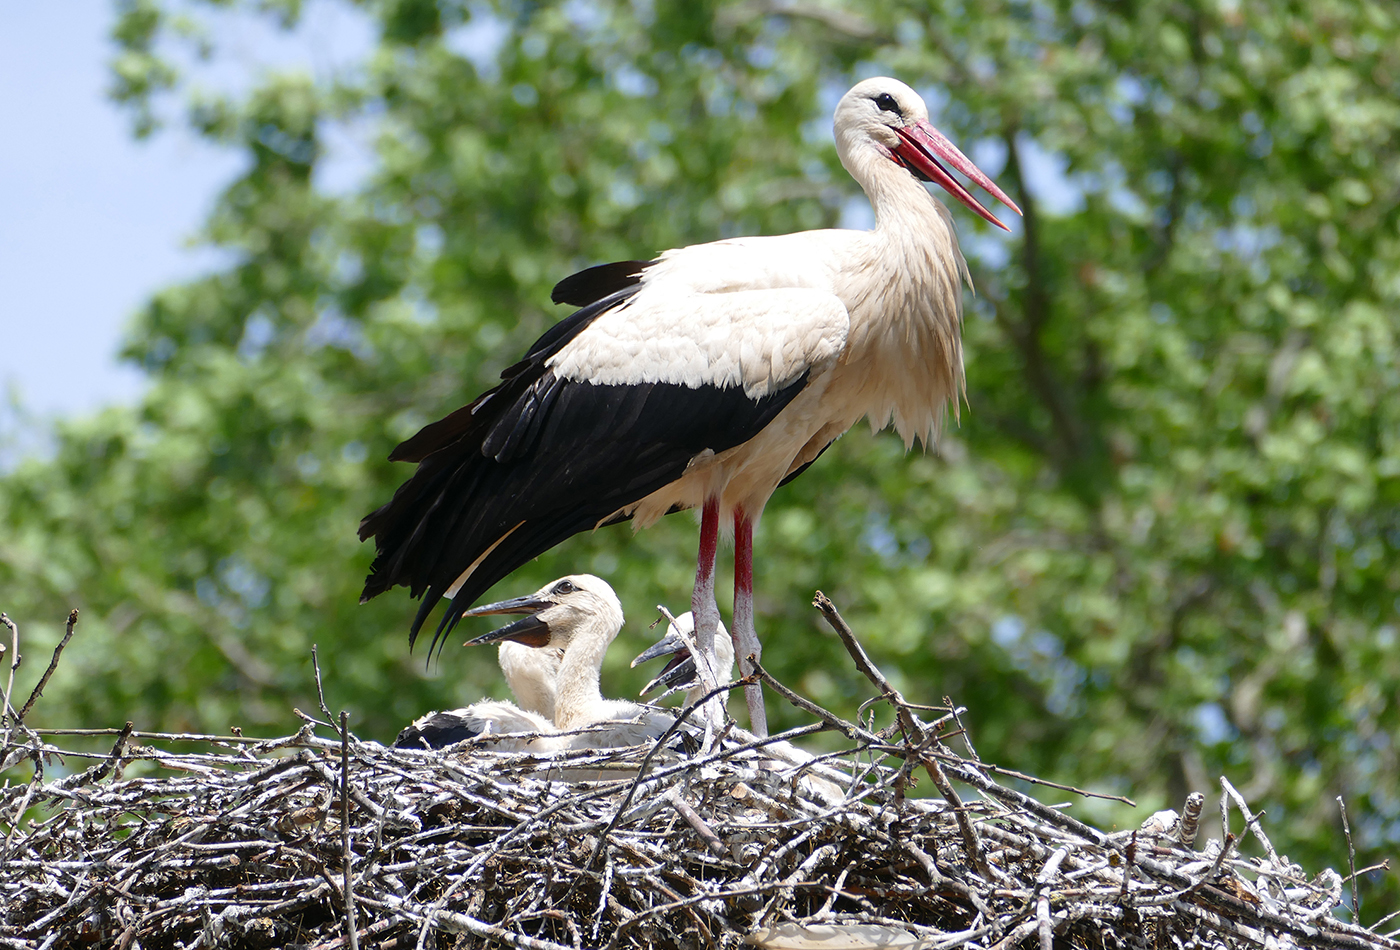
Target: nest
x=319, y=839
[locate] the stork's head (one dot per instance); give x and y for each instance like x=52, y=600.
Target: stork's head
x=679, y=671
x=887, y=116
x=556, y=613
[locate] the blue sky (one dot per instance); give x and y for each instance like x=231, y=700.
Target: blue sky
x=92, y=222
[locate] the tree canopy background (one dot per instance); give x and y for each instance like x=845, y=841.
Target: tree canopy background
x=1161, y=542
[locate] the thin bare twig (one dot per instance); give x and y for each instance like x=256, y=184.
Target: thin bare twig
x=1022, y=776
x=1252, y=822
x=1383, y=866
x=346, y=855
x=1129, y=862
x=870, y=670
x=53, y=664
x=6, y=710
x=320, y=693
x=848, y=729
x=1351, y=862
x=707, y=834
x=962, y=730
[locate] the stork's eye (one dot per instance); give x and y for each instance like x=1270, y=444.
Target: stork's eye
x=887, y=104
x=564, y=587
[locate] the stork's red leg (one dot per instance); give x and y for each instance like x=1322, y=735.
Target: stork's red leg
x=745, y=638
x=706, y=610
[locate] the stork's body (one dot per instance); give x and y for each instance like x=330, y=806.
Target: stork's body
x=520, y=729
x=705, y=378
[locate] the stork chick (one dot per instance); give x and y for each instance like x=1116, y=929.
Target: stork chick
x=680, y=672
x=579, y=616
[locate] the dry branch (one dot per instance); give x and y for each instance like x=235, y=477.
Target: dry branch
x=327, y=841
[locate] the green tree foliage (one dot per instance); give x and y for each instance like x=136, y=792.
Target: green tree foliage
x=1160, y=543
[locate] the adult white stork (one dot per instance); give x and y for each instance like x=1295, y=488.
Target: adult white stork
x=704, y=378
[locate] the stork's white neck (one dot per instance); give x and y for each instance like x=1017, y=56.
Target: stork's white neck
x=904, y=296
x=913, y=225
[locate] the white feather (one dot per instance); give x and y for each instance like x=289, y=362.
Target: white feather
x=757, y=339
x=531, y=674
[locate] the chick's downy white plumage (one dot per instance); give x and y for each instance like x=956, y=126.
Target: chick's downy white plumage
x=573, y=619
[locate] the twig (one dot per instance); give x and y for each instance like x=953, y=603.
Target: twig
x=971, y=841
x=869, y=669
x=1226, y=847
x=114, y=758
x=848, y=729
x=1042, y=899
x=7, y=712
x=1251, y=820
x=320, y=694
x=347, y=856
x=19, y=816
x=966, y=736
x=1383, y=866
x=1044, y=812
x=938, y=880
x=165, y=736
x=53, y=664
x=1012, y=773
x=1224, y=817
x=692, y=818
x=1129, y=862
x=1351, y=862
x=1388, y=917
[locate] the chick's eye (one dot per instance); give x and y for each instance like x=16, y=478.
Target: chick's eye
x=886, y=103
x=564, y=587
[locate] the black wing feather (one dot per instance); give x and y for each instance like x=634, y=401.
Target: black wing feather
x=437, y=731
x=576, y=476
x=595, y=283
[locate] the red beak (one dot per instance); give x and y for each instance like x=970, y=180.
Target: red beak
x=921, y=146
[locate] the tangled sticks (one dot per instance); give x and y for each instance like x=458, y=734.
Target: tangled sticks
x=336, y=842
